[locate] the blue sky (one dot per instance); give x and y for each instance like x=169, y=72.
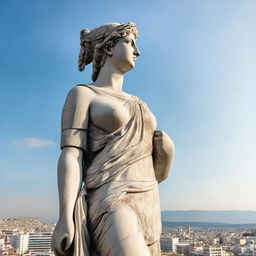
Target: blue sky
x=196, y=72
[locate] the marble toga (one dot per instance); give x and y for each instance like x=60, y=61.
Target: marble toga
x=119, y=200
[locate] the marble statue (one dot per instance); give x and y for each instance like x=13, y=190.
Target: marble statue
x=112, y=156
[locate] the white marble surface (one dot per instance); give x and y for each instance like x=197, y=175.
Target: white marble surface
x=112, y=156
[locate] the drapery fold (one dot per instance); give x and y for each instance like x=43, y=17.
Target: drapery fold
x=111, y=157
x=81, y=237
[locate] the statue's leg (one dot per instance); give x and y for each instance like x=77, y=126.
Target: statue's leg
x=122, y=235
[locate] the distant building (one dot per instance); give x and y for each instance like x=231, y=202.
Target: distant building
x=216, y=240
x=40, y=242
x=247, y=250
x=20, y=242
x=213, y=251
x=189, y=230
x=183, y=248
x=169, y=244
x=7, y=232
x=241, y=241
x=243, y=250
x=196, y=250
x=1, y=243
x=250, y=234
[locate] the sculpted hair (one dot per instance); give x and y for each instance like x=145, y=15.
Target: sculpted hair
x=93, y=44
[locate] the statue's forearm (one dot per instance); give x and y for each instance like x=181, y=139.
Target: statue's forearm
x=162, y=165
x=69, y=179
x=163, y=155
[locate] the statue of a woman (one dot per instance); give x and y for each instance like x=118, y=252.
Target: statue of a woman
x=112, y=156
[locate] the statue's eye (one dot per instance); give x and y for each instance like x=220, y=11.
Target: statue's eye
x=129, y=41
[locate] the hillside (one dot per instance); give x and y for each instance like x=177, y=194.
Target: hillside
x=26, y=224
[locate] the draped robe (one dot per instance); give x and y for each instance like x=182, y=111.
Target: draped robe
x=117, y=170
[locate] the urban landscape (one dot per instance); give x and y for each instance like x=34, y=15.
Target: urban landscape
x=32, y=237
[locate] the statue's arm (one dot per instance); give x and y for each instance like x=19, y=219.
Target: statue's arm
x=70, y=171
x=163, y=155
x=69, y=180
x=69, y=184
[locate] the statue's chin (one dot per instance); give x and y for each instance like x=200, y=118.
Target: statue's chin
x=128, y=67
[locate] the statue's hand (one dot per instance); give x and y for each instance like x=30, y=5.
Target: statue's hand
x=162, y=145
x=63, y=236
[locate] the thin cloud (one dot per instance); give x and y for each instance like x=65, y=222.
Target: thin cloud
x=33, y=142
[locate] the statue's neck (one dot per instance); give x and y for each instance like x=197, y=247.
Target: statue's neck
x=110, y=77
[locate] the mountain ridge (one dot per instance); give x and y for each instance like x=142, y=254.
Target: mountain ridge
x=208, y=225
x=214, y=216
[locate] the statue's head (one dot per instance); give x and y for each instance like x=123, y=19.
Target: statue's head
x=106, y=41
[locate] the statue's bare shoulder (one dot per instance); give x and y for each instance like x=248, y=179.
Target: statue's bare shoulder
x=79, y=95
x=75, y=112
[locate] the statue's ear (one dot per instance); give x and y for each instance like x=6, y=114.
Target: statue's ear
x=108, y=49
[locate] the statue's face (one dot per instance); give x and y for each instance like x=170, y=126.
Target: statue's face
x=125, y=53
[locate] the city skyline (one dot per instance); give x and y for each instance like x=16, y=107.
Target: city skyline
x=195, y=72
x=30, y=236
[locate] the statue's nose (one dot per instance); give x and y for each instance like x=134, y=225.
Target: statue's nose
x=136, y=50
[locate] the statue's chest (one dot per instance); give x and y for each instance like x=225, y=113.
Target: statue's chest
x=109, y=113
